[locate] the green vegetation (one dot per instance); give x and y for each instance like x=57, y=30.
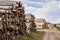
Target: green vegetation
x=58, y=28
x=54, y=25
x=34, y=36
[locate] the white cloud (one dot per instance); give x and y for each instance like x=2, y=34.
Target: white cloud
x=49, y=9
x=40, y=13
x=58, y=20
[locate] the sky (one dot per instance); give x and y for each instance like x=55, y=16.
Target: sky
x=46, y=9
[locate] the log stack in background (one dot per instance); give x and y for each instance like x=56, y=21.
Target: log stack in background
x=30, y=23
x=12, y=21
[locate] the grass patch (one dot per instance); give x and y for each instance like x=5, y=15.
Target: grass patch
x=34, y=36
x=55, y=25
x=58, y=28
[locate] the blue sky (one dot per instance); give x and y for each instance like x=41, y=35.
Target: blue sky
x=47, y=9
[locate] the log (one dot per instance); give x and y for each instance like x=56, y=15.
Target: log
x=13, y=22
x=31, y=26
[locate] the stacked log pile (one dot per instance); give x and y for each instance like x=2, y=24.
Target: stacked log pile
x=12, y=24
x=30, y=23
